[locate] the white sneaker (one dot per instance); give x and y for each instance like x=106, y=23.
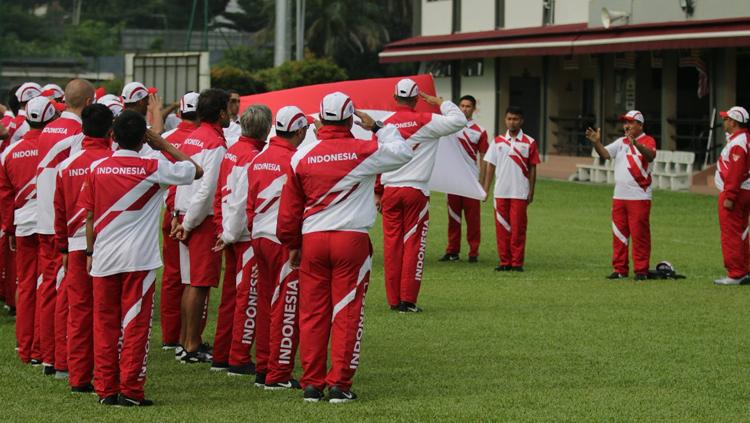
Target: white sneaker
x=731, y=281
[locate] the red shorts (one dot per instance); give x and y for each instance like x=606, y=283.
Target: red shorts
x=199, y=265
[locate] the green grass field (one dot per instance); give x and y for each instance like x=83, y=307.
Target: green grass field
x=556, y=343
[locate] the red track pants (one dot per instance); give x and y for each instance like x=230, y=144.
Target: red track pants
x=334, y=275
x=8, y=260
x=80, y=320
x=225, y=318
x=275, y=273
x=171, y=287
x=406, y=219
x=471, y=209
x=123, y=309
x=246, y=306
x=27, y=250
x=734, y=240
x=510, y=230
x=50, y=267
x=61, y=321
x=630, y=220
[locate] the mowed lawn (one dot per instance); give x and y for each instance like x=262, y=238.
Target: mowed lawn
x=555, y=343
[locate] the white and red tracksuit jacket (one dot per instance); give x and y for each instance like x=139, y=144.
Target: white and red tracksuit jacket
x=732, y=167
x=422, y=131
x=331, y=182
x=18, y=201
x=70, y=218
x=231, y=196
x=266, y=177
x=55, y=143
x=632, y=170
x=473, y=141
x=124, y=192
x=176, y=137
x=513, y=158
x=18, y=127
x=206, y=146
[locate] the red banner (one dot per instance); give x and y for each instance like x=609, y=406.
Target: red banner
x=367, y=94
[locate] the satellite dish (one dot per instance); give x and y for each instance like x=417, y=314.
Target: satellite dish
x=611, y=16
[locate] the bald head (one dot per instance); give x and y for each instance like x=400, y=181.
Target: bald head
x=79, y=93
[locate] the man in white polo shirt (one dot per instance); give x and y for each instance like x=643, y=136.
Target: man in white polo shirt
x=734, y=200
x=631, y=204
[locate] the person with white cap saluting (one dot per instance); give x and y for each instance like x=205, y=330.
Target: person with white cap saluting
x=631, y=204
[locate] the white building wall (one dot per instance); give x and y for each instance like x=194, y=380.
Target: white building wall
x=443, y=87
x=477, y=15
x=571, y=11
x=523, y=13
x=437, y=17
x=483, y=89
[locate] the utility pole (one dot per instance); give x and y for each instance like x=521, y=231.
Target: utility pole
x=280, y=51
x=300, y=43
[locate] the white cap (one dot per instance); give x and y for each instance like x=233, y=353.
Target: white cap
x=336, y=106
x=52, y=91
x=189, y=102
x=291, y=118
x=633, y=116
x=736, y=113
x=27, y=91
x=113, y=102
x=407, y=88
x=40, y=109
x=135, y=91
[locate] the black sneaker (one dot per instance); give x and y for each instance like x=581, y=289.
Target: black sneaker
x=169, y=347
x=110, y=400
x=473, y=259
x=130, y=402
x=83, y=389
x=502, y=268
x=516, y=269
x=640, y=277
x=405, y=307
x=395, y=307
x=219, y=367
x=195, y=357
x=179, y=352
x=450, y=257
x=260, y=380
x=245, y=370
x=338, y=396
x=290, y=384
x=35, y=362
x=312, y=394
x=48, y=370
x=205, y=348
x=615, y=275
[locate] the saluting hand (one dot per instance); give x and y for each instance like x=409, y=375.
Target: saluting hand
x=431, y=99
x=366, y=121
x=594, y=135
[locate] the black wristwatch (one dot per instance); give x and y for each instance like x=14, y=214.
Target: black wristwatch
x=89, y=253
x=175, y=214
x=377, y=126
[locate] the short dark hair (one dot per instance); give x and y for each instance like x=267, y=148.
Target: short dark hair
x=285, y=134
x=514, y=110
x=13, y=102
x=97, y=120
x=129, y=129
x=189, y=115
x=335, y=122
x=211, y=103
x=469, y=98
x=230, y=92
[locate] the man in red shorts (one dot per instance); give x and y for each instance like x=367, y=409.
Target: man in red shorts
x=200, y=266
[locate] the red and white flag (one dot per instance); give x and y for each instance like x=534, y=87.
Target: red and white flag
x=452, y=173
